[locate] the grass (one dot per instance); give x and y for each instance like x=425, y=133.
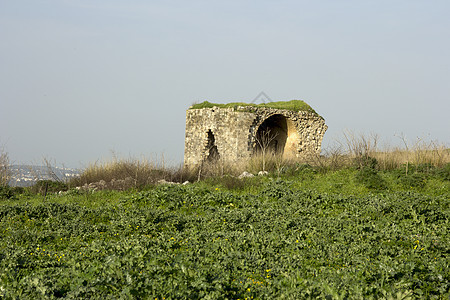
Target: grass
x=4, y=167
x=353, y=224
x=294, y=105
x=127, y=173
x=359, y=152
x=297, y=235
x=348, y=225
x=356, y=152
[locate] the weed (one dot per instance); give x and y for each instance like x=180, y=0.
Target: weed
x=294, y=105
x=358, y=151
x=200, y=241
x=48, y=186
x=231, y=182
x=7, y=193
x=5, y=173
x=443, y=172
x=370, y=178
x=124, y=173
x=415, y=180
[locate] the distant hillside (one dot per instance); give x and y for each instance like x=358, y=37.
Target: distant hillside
x=27, y=175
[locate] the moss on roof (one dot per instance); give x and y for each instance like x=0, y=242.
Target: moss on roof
x=294, y=105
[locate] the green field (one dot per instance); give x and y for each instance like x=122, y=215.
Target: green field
x=304, y=235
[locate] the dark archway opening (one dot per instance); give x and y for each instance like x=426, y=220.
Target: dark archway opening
x=272, y=135
x=212, y=154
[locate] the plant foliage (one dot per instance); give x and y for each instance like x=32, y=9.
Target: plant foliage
x=199, y=241
x=294, y=105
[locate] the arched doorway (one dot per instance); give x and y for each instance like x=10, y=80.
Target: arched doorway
x=277, y=135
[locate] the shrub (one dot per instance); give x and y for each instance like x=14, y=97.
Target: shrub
x=443, y=172
x=231, y=182
x=361, y=162
x=305, y=171
x=4, y=168
x=6, y=193
x=415, y=180
x=126, y=174
x=276, y=189
x=370, y=178
x=48, y=186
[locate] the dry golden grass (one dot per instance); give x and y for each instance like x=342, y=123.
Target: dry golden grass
x=359, y=148
x=4, y=167
x=258, y=162
x=216, y=169
x=128, y=173
x=356, y=151
x=394, y=159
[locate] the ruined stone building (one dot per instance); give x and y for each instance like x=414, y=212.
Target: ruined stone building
x=236, y=131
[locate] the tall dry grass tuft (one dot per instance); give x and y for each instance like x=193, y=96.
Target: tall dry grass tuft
x=258, y=162
x=334, y=158
x=217, y=168
x=261, y=161
x=120, y=173
x=278, y=164
x=420, y=153
x=353, y=150
x=271, y=163
x=359, y=150
x=5, y=172
x=362, y=150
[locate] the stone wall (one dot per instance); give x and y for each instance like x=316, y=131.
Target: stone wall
x=233, y=134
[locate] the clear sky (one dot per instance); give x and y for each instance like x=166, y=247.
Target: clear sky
x=80, y=79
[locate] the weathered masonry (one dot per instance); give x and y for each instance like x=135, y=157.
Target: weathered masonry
x=236, y=131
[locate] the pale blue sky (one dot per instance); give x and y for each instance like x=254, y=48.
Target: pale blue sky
x=79, y=78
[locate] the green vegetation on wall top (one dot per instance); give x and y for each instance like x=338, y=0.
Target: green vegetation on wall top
x=294, y=105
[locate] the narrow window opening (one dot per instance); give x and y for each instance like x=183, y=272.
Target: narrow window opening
x=212, y=154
